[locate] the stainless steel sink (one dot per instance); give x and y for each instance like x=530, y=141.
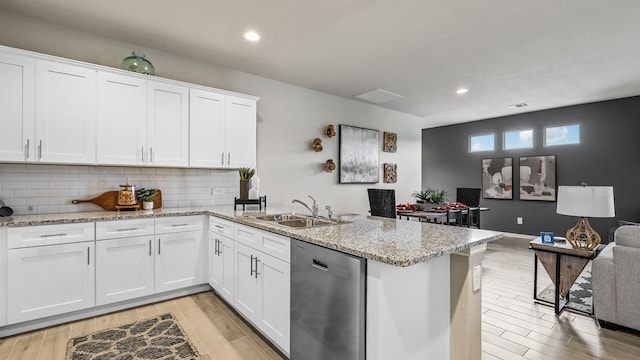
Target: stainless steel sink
x=294, y=220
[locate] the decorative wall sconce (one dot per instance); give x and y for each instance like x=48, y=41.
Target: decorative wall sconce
x=329, y=166
x=330, y=131
x=316, y=145
x=390, y=173
x=390, y=142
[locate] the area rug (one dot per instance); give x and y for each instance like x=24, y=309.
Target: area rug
x=580, y=295
x=160, y=337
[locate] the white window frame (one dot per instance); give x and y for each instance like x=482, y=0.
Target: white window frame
x=544, y=134
x=504, y=139
x=484, y=150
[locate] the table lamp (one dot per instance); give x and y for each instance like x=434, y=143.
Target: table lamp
x=585, y=201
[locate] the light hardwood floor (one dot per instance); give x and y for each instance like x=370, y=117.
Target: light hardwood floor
x=513, y=327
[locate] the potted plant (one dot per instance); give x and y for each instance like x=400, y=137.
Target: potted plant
x=430, y=196
x=423, y=196
x=439, y=196
x=146, y=196
x=245, y=175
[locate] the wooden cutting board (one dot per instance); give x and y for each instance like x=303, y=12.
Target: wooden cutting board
x=109, y=200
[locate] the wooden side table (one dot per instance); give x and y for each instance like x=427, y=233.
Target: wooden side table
x=564, y=264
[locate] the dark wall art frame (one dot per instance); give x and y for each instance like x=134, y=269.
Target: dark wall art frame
x=538, y=178
x=497, y=178
x=359, y=155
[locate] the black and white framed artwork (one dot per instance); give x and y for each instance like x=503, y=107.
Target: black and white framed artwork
x=497, y=178
x=359, y=155
x=538, y=178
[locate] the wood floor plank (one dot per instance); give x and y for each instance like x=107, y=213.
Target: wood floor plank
x=54, y=344
x=27, y=346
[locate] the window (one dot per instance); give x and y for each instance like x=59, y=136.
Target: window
x=562, y=135
x=519, y=139
x=481, y=143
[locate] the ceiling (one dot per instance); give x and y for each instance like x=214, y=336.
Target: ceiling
x=546, y=53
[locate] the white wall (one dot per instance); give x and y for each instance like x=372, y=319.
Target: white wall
x=289, y=117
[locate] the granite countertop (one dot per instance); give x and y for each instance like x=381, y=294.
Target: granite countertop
x=395, y=242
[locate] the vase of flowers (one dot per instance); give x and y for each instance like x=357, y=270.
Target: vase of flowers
x=245, y=176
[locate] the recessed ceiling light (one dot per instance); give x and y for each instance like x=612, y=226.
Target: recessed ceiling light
x=462, y=91
x=252, y=36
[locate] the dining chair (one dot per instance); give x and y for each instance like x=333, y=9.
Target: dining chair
x=382, y=202
x=471, y=198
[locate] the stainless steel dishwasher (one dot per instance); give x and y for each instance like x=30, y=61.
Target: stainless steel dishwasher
x=327, y=304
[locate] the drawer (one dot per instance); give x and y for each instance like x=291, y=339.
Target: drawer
x=276, y=245
x=28, y=236
x=124, y=228
x=167, y=225
x=221, y=226
x=246, y=235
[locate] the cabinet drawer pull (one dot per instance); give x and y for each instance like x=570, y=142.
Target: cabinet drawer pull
x=149, y=247
x=40, y=150
x=129, y=229
x=158, y=246
x=27, y=150
x=142, y=151
x=219, y=227
x=176, y=225
x=52, y=235
x=88, y=255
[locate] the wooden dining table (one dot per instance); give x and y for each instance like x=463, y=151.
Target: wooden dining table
x=446, y=216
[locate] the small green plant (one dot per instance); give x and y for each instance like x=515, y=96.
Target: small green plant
x=246, y=173
x=439, y=196
x=146, y=195
x=423, y=196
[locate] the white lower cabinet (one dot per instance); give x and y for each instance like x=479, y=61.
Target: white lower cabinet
x=49, y=280
x=180, y=260
x=221, y=265
x=124, y=269
x=262, y=288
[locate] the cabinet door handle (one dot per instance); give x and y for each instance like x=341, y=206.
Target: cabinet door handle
x=158, y=246
x=40, y=150
x=251, y=274
x=27, y=150
x=219, y=226
x=149, y=247
x=129, y=229
x=142, y=156
x=88, y=255
x=51, y=235
x=151, y=155
x=176, y=225
x=222, y=154
x=257, y=273
x=229, y=159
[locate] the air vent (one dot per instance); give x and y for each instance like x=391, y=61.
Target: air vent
x=520, y=105
x=378, y=96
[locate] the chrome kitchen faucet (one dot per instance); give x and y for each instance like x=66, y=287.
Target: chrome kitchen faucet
x=313, y=208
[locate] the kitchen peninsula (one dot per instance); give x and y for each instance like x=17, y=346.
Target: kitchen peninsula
x=417, y=289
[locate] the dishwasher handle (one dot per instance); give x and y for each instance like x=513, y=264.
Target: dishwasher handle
x=319, y=265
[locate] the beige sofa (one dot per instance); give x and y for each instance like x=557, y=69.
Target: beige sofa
x=616, y=279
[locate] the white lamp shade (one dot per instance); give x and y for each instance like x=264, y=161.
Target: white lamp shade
x=586, y=201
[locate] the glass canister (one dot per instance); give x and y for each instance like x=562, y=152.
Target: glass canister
x=127, y=195
x=137, y=63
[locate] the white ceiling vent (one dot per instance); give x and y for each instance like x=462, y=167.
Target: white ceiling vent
x=378, y=96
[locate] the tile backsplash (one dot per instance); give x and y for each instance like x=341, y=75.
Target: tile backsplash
x=45, y=189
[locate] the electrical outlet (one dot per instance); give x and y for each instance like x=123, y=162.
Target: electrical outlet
x=477, y=277
x=519, y=220
x=217, y=191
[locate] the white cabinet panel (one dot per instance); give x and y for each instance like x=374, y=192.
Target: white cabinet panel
x=29, y=236
x=168, y=124
x=17, y=108
x=247, y=235
x=221, y=265
x=49, y=280
x=221, y=226
x=240, y=132
x=124, y=269
x=65, y=113
x=246, y=285
x=173, y=224
x=207, y=129
x=180, y=260
x=3, y=276
x=124, y=228
x=122, y=119
x=275, y=276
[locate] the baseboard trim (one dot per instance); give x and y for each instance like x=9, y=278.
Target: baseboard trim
x=98, y=310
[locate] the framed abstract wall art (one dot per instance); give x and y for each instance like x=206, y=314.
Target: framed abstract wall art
x=497, y=178
x=538, y=178
x=359, y=155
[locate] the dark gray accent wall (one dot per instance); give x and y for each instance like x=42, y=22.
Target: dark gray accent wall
x=609, y=154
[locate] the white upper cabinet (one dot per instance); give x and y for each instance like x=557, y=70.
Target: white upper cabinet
x=17, y=107
x=223, y=130
x=241, y=132
x=122, y=119
x=206, y=128
x=167, y=124
x=65, y=113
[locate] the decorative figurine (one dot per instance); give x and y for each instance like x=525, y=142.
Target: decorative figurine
x=330, y=131
x=316, y=145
